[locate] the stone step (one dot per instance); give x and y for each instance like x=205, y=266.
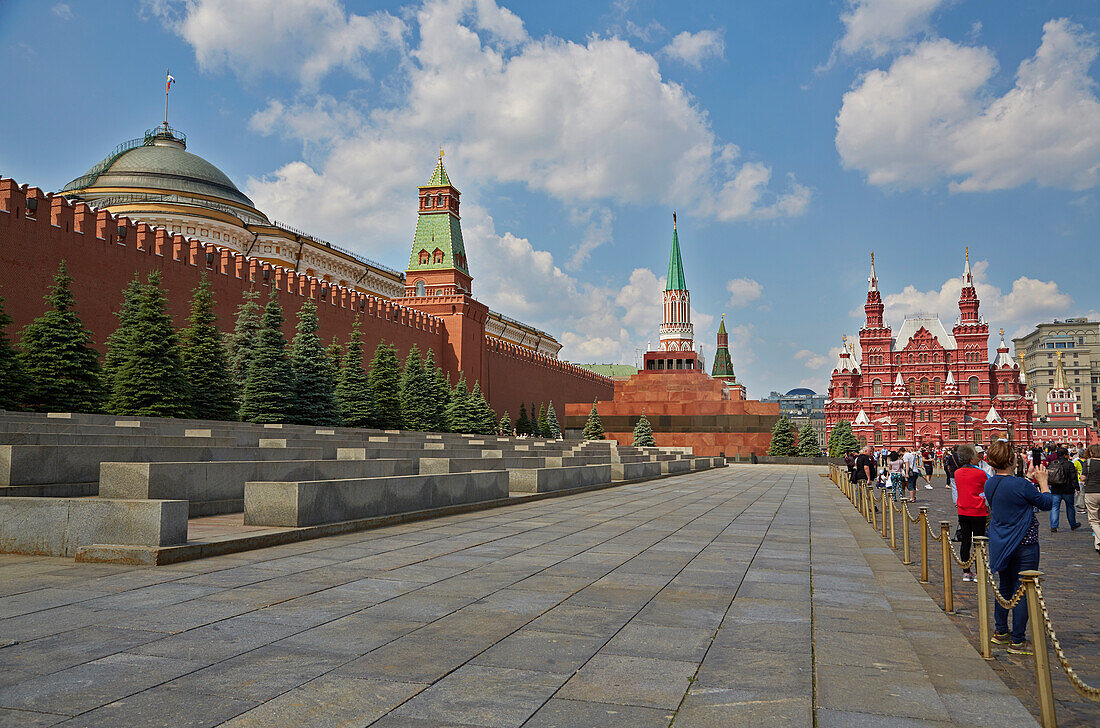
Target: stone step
x=43, y=464
x=218, y=487
x=309, y=503
x=543, y=480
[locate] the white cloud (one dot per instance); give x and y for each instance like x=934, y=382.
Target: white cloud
x=813, y=360
x=743, y=291
x=62, y=11
x=306, y=39
x=588, y=124
x=877, y=26
x=932, y=116
x=694, y=48
x=597, y=232
x=1028, y=302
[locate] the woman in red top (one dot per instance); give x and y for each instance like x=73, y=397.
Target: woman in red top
x=970, y=484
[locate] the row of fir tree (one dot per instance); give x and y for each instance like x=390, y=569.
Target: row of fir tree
x=253, y=374
x=783, y=440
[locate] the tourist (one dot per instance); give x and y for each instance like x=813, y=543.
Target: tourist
x=970, y=484
x=1062, y=476
x=929, y=462
x=912, y=472
x=950, y=465
x=986, y=468
x=897, y=475
x=1075, y=457
x=1013, y=537
x=1090, y=488
x=850, y=464
x=865, y=466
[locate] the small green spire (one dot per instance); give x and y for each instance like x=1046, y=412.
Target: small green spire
x=439, y=176
x=722, y=326
x=675, y=279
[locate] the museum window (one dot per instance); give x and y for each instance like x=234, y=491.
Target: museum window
x=936, y=385
x=924, y=386
x=862, y=442
x=953, y=430
x=974, y=386
x=1011, y=432
x=845, y=390
x=876, y=388
x=901, y=430
x=878, y=437
x=911, y=387
x=977, y=436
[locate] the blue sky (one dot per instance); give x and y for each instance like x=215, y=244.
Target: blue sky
x=791, y=137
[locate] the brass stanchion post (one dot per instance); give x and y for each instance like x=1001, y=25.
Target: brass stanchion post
x=893, y=533
x=923, y=525
x=905, y=551
x=1047, y=717
x=948, y=592
x=874, y=511
x=885, y=506
x=981, y=543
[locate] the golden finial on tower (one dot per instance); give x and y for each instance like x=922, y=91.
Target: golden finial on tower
x=441, y=153
x=968, y=254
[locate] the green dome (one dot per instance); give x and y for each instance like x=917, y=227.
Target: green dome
x=160, y=162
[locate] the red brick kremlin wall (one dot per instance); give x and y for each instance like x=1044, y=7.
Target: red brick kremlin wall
x=101, y=263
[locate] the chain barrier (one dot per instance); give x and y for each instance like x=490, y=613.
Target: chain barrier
x=931, y=534
x=1079, y=685
x=1006, y=603
x=958, y=559
x=905, y=510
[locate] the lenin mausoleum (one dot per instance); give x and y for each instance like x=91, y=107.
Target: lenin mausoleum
x=686, y=406
x=925, y=386
x=153, y=205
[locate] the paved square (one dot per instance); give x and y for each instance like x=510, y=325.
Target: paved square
x=740, y=596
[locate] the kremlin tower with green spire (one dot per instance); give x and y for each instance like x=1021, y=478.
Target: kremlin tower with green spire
x=677, y=333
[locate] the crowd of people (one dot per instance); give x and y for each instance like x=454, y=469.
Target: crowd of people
x=997, y=493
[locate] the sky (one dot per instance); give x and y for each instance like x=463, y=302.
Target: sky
x=792, y=137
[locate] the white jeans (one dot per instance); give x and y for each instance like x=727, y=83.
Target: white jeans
x=954, y=493
x=1092, y=505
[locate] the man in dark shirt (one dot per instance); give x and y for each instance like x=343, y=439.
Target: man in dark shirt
x=865, y=466
x=1063, y=488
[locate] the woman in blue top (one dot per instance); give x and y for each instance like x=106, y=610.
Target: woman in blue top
x=1013, y=536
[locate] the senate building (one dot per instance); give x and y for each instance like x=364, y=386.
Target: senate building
x=925, y=385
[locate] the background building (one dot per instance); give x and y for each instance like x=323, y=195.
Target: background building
x=925, y=385
x=1078, y=341
x=154, y=179
x=802, y=405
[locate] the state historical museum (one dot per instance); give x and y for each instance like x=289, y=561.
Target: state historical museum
x=926, y=386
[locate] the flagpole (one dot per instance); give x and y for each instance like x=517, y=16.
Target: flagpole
x=167, y=74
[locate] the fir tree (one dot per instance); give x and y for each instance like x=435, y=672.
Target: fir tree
x=212, y=391
x=418, y=410
x=543, y=425
x=808, y=446
x=13, y=382
x=534, y=426
x=552, y=420
x=118, y=342
x=268, y=395
x=149, y=380
x=504, y=427
x=242, y=342
x=314, y=395
x=593, y=428
x=523, y=425
x=385, y=388
x=482, y=419
x=782, y=443
x=842, y=440
x=643, y=433
x=61, y=367
x=335, y=355
x=457, y=420
x=441, y=392
x=352, y=387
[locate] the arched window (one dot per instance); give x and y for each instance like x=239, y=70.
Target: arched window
x=911, y=385
x=1011, y=433
x=973, y=385
x=901, y=430
x=878, y=437
x=936, y=385
x=977, y=436
x=420, y=290
x=924, y=385
x=862, y=442
x=845, y=390
x=876, y=388
x=953, y=430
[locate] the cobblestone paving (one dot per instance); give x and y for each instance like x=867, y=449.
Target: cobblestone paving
x=1071, y=585
x=700, y=600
